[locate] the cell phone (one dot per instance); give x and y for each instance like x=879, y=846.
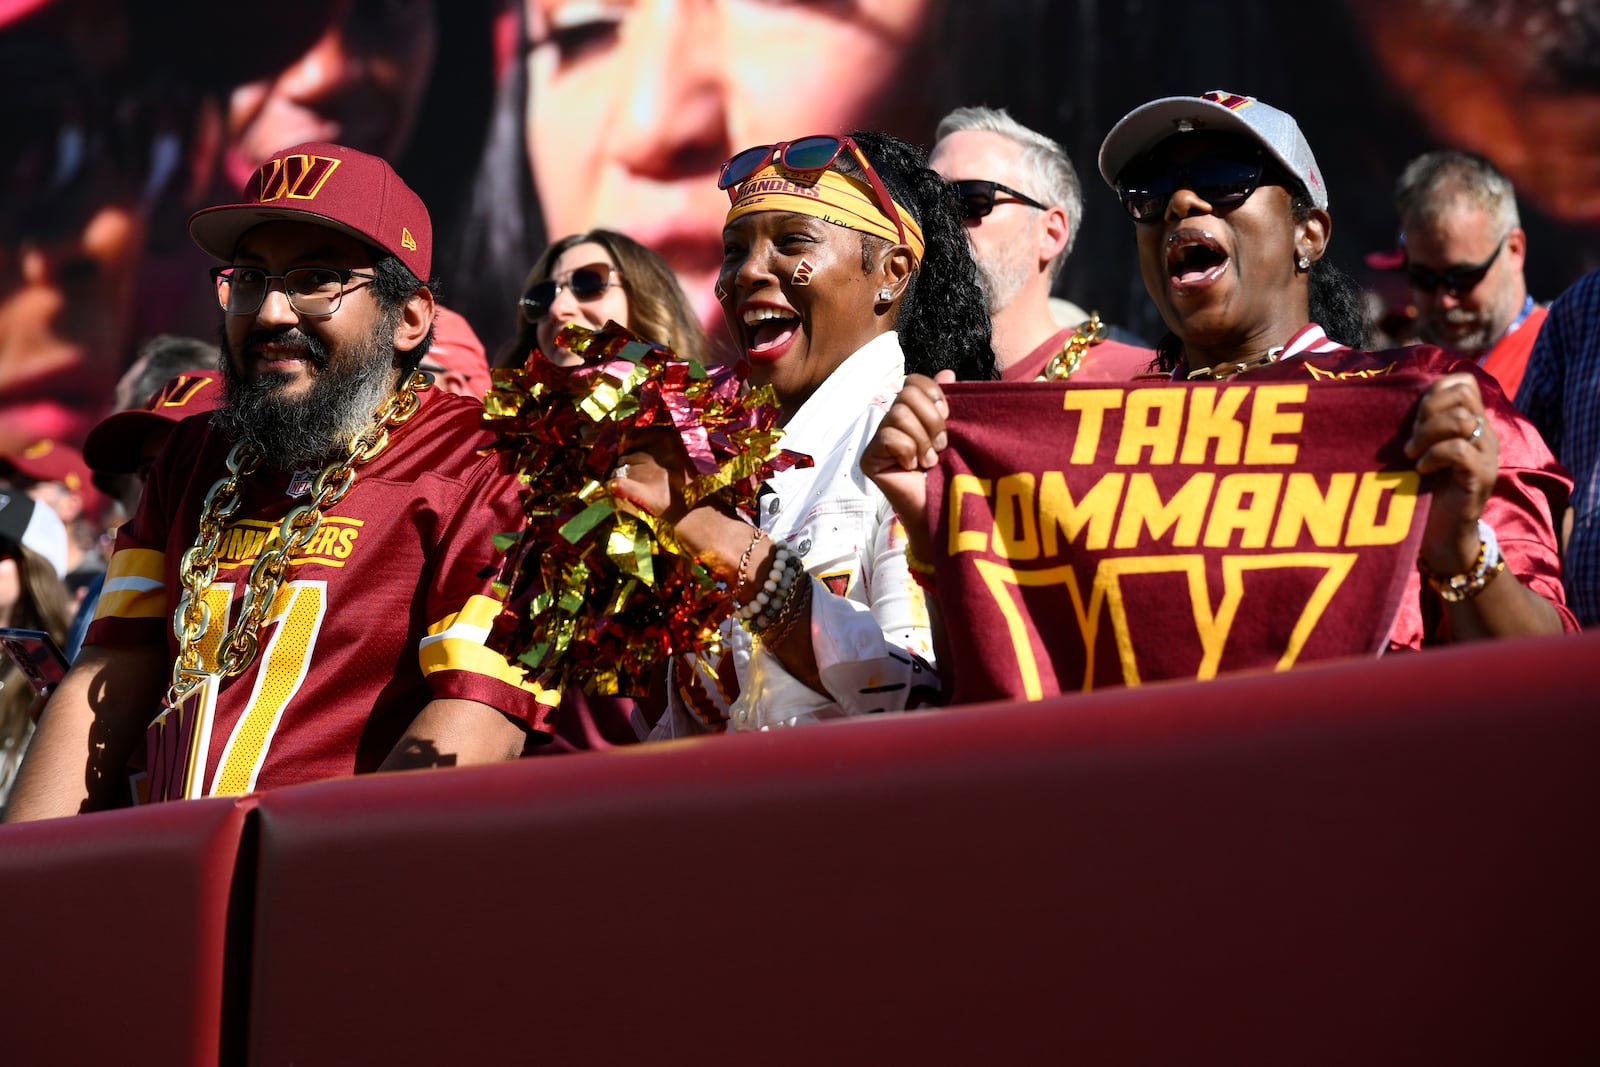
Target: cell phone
x=36, y=655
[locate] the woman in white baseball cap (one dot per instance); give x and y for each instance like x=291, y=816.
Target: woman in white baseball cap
x=1231, y=217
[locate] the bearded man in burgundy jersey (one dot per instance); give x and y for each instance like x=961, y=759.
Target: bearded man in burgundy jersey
x=306, y=587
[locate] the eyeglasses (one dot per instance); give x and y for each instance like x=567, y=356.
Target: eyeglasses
x=975, y=198
x=584, y=283
x=313, y=291
x=1456, y=280
x=803, y=156
x=1221, y=181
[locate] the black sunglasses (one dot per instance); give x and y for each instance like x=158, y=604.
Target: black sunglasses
x=975, y=197
x=1456, y=280
x=584, y=283
x=1221, y=181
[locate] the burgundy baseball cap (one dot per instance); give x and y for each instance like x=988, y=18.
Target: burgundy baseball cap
x=326, y=185
x=47, y=460
x=116, y=444
x=457, y=357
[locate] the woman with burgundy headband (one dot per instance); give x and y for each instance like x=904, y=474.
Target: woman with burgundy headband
x=1230, y=213
x=843, y=265
x=598, y=277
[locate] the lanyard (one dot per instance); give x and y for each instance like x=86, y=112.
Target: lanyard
x=1527, y=309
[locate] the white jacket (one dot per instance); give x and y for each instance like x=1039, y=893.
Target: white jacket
x=868, y=617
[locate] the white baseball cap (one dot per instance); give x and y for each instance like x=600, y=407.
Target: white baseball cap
x=1218, y=111
x=26, y=522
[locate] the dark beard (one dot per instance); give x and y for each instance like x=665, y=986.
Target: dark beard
x=305, y=432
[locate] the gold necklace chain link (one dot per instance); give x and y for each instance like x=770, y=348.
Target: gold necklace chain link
x=1066, y=362
x=198, y=568
x=1223, y=371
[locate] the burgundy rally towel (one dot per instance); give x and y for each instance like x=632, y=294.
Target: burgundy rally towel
x=1088, y=536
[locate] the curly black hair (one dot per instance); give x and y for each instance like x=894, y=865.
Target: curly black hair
x=1335, y=298
x=943, y=321
x=393, y=285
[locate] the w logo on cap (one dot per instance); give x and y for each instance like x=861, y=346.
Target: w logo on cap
x=294, y=177
x=180, y=391
x=1230, y=101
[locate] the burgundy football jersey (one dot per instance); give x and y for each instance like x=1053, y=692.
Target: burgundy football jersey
x=385, y=609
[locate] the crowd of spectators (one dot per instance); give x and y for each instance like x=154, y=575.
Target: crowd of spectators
x=526, y=166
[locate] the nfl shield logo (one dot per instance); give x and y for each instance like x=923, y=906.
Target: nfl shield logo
x=300, y=482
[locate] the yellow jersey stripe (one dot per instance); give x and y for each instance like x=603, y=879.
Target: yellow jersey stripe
x=134, y=586
x=456, y=643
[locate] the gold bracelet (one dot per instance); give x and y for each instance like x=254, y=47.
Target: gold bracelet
x=744, y=563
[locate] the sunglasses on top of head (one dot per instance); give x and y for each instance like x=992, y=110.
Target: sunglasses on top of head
x=585, y=283
x=806, y=155
x=975, y=198
x=1456, y=280
x=1221, y=181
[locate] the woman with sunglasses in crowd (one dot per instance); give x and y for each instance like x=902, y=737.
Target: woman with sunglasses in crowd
x=595, y=277
x=589, y=279
x=844, y=265
x=33, y=562
x=1230, y=214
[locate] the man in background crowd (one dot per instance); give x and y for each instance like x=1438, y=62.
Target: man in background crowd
x=1023, y=203
x=123, y=446
x=55, y=474
x=1464, y=256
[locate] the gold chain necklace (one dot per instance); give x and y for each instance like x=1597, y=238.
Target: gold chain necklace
x=198, y=568
x=1223, y=371
x=1066, y=362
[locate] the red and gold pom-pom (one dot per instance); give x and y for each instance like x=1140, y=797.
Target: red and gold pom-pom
x=597, y=595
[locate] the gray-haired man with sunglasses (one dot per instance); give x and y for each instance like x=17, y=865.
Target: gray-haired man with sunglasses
x=1022, y=203
x=1464, y=251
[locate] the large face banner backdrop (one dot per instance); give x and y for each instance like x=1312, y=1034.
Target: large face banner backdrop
x=521, y=121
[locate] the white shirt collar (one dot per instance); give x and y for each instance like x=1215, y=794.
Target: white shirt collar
x=872, y=372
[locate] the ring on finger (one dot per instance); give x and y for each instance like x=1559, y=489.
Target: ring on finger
x=1477, y=429
x=620, y=473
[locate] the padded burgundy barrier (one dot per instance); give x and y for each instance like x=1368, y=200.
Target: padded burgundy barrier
x=112, y=935
x=1373, y=863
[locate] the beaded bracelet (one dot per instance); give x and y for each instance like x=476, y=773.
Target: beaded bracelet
x=793, y=608
x=921, y=573
x=1470, y=583
x=763, y=609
